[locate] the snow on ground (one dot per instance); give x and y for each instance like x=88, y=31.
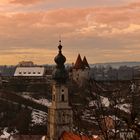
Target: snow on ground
x=39, y=117
x=5, y=134
x=93, y=103
x=125, y=107
x=114, y=117
x=42, y=101
x=87, y=116
x=105, y=101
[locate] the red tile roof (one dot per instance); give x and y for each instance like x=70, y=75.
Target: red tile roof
x=79, y=63
x=72, y=136
x=85, y=62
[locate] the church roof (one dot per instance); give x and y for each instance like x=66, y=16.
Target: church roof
x=85, y=62
x=79, y=63
x=72, y=136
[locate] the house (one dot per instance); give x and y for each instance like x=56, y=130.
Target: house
x=29, y=71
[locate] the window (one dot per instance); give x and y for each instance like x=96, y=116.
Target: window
x=38, y=72
x=29, y=72
x=20, y=72
x=62, y=90
x=33, y=72
x=24, y=72
x=62, y=98
x=53, y=97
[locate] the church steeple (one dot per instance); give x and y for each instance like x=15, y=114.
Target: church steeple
x=60, y=115
x=60, y=74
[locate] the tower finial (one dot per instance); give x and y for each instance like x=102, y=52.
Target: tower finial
x=60, y=39
x=60, y=46
x=60, y=42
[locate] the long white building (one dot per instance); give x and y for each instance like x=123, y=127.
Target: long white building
x=30, y=71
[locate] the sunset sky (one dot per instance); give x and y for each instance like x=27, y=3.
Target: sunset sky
x=101, y=30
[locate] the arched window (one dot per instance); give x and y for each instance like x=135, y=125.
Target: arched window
x=62, y=98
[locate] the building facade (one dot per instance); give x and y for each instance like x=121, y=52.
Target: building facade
x=80, y=70
x=30, y=71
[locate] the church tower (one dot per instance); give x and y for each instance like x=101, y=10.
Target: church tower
x=60, y=116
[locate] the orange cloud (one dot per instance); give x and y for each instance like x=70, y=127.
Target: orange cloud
x=101, y=30
x=37, y=55
x=25, y=2
x=82, y=21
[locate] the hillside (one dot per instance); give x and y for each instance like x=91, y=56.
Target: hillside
x=117, y=64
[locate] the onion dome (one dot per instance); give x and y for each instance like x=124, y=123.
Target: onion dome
x=60, y=74
x=60, y=59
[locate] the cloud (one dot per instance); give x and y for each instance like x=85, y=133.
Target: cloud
x=36, y=55
x=106, y=33
x=25, y=2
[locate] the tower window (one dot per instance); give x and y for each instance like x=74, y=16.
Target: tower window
x=62, y=90
x=53, y=97
x=62, y=98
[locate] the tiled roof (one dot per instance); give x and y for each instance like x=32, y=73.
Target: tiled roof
x=79, y=63
x=85, y=62
x=72, y=136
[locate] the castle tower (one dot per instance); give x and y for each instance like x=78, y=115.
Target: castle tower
x=81, y=70
x=85, y=62
x=79, y=63
x=60, y=116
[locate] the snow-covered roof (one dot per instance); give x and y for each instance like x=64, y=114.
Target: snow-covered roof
x=29, y=71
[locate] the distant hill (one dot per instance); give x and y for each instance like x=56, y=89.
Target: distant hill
x=117, y=64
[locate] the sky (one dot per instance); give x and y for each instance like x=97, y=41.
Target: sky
x=101, y=30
